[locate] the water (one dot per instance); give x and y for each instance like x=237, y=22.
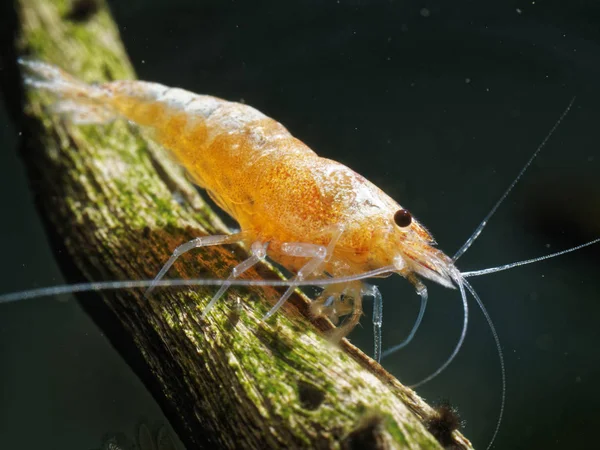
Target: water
x=440, y=109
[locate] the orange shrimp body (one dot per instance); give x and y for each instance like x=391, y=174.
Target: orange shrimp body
x=281, y=193
x=271, y=183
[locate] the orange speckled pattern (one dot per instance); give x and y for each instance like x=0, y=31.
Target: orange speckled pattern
x=277, y=188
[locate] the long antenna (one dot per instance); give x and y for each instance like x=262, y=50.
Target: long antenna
x=136, y=284
x=461, y=283
x=485, y=220
x=500, y=355
x=424, y=296
x=478, y=273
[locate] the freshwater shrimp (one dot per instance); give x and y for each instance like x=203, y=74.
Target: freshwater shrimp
x=312, y=215
x=316, y=217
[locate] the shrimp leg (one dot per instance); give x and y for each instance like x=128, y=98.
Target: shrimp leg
x=259, y=253
x=203, y=241
x=422, y=292
x=319, y=254
x=373, y=291
x=355, y=292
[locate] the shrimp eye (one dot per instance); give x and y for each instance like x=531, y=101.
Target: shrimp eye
x=402, y=218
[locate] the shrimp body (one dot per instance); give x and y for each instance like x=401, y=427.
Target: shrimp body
x=271, y=183
x=279, y=191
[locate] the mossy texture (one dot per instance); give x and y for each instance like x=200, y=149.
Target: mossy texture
x=119, y=207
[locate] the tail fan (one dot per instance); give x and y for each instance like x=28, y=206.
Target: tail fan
x=79, y=102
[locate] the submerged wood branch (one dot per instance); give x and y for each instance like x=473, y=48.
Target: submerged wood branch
x=119, y=207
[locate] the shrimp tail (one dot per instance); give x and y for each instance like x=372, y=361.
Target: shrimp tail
x=79, y=102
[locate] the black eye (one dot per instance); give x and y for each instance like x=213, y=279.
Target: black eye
x=402, y=218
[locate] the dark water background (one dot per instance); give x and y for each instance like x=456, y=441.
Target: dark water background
x=438, y=103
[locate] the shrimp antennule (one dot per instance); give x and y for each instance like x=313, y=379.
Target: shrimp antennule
x=461, y=251
x=478, y=273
